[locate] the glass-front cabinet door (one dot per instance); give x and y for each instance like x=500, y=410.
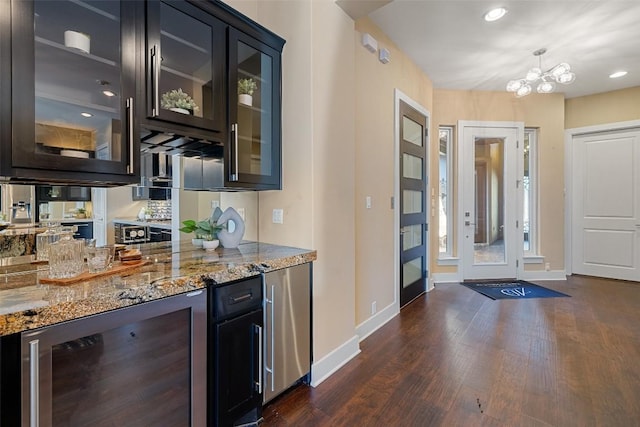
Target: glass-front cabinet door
x=73, y=90
x=254, y=113
x=184, y=66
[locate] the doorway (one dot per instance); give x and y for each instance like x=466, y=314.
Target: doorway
x=490, y=199
x=605, y=226
x=413, y=164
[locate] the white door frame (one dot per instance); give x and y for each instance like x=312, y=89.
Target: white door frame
x=400, y=96
x=518, y=252
x=569, y=134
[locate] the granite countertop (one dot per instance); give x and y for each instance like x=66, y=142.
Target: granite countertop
x=153, y=222
x=172, y=268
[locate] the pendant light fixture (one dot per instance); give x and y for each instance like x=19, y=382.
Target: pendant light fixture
x=543, y=81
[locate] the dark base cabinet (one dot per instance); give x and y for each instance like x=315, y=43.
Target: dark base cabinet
x=84, y=229
x=235, y=353
x=139, y=366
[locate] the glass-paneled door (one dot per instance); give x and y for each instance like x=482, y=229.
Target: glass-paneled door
x=254, y=112
x=74, y=111
x=490, y=207
x=413, y=203
x=185, y=47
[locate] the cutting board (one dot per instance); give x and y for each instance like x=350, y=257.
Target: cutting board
x=115, y=269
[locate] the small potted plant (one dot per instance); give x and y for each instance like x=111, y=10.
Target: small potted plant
x=246, y=87
x=178, y=101
x=81, y=213
x=206, y=232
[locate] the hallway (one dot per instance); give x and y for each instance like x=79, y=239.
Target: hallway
x=457, y=358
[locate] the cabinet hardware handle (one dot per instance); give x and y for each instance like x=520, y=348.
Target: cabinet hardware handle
x=155, y=80
x=194, y=293
x=130, y=134
x=235, y=300
x=258, y=329
x=34, y=383
x=273, y=334
x=233, y=176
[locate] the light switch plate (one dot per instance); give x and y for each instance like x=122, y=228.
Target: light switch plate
x=278, y=216
x=367, y=202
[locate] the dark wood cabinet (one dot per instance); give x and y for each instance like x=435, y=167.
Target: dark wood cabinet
x=254, y=113
x=84, y=230
x=67, y=91
x=157, y=234
x=85, y=87
x=245, y=135
x=62, y=193
x=184, y=67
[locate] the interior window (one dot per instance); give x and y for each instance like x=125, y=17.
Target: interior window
x=530, y=195
x=445, y=202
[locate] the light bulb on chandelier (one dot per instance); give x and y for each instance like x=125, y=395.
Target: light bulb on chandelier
x=544, y=81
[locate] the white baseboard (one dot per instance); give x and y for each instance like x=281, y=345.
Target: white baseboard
x=443, y=278
x=325, y=367
x=369, y=326
x=439, y=278
x=544, y=275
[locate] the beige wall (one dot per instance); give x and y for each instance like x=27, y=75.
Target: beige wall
x=338, y=148
x=318, y=156
x=374, y=163
x=545, y=112
x=609, y=107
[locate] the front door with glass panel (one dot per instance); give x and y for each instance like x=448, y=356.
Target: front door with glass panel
x=413, y=203
x=490, y=194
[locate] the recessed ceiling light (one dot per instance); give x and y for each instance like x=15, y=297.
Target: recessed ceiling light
x=85, y=114
x=495, y=14
x=108, y=93
x=617, y=74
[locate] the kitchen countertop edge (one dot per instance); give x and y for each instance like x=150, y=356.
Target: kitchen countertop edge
x=161, y=277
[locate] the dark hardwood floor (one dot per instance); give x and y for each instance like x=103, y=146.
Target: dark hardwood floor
x=457, y=358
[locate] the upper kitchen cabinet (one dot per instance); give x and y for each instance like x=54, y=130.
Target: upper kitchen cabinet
x=254, y=113
x=202, y=58
x=67, y=91
x=184, y=69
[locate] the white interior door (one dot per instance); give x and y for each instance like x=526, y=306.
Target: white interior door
x=99, y=203
x=490, y=199
x=606, y=209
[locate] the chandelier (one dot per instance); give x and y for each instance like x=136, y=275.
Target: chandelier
x=544, y=81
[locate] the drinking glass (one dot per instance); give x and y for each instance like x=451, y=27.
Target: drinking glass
x=66, y=258
x=98, y=259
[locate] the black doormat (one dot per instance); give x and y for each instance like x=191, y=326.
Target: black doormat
x=515, y=289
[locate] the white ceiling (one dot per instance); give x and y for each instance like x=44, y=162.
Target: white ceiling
x=457, y=49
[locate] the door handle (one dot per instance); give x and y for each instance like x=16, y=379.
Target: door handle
x=130, y=114
x=155, y=80
x=233, y=176
x=258, y=330
x=469, y=223
x=34, y=383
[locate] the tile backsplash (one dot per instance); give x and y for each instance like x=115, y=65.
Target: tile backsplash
x=159, y=209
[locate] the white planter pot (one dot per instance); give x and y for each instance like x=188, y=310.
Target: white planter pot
x=210, y=244
x=245, y=99
x=197, y=242
x=180, y=110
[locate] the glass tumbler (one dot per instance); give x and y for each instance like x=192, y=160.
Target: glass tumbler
x=66, y=258
x=98, y=259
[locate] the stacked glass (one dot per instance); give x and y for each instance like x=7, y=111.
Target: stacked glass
x=66, y=257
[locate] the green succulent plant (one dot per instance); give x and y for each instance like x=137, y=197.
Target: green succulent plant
x=176, y=98
x=205, y=229
x=246, y=86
